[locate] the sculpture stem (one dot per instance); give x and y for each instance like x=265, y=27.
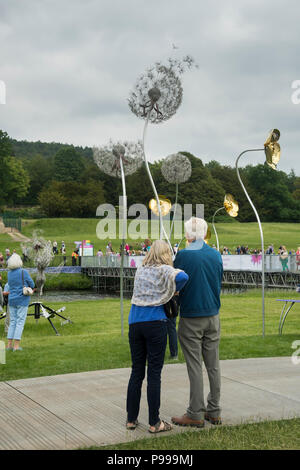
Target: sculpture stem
x=162, y=231
x=175, y=207
x=124, y=222
x=261, y=236
x=213, y=224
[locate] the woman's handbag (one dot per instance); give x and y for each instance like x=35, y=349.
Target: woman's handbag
x=26, y=290
x=172, y=307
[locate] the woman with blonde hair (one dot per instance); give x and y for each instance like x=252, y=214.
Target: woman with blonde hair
x=155, y=283
x=18, y=303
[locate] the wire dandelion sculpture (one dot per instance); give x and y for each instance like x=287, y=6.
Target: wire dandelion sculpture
x=41, y=253
x=155, y=98
x=120, y=159
x=176, y=168
x=272, y=153
x=112, y=157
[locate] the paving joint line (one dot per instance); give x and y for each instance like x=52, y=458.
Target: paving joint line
x=261, y=389
x=51, y=412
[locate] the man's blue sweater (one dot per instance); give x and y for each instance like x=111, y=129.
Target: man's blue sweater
x=200, y=297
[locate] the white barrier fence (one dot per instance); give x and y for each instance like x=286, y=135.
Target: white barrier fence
x=273, y=263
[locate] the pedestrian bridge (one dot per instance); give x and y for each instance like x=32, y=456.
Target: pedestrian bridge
x=239, y=271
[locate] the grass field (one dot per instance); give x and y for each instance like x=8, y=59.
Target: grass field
x=230, y=234
x=275, y=435
x=94, y=341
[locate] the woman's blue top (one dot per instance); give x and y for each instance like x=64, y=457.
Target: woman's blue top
x=140, y=314
x=15, y=283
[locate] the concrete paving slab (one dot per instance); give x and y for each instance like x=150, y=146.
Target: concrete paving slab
x=85, y=409
x=25, y=424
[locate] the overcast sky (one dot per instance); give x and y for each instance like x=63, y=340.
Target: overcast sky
x=69, y=66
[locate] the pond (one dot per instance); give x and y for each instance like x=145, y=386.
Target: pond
x=68, y=296
x=72, y=296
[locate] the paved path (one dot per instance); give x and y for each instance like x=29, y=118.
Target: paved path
x=78, y=410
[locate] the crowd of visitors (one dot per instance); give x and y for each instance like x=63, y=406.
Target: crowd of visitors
x=245, y=250
x=143, y=248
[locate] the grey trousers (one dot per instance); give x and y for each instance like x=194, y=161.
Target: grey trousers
x=199, y=339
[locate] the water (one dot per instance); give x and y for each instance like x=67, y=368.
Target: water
x=67, y=296
x=73, y=296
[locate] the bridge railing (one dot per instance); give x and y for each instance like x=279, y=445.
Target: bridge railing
x=273, y=263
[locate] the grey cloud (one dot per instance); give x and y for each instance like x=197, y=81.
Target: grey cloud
x=69, y=67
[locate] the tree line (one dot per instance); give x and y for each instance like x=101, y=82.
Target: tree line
x=63, y=181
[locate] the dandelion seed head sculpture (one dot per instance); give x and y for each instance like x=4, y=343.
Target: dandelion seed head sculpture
x=158, y=92
x=176, y=168
x=108, y=157
x=41, y=253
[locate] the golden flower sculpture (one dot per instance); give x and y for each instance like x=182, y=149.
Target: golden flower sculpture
x=272, y=149
x=231, y=206
x=165, y=206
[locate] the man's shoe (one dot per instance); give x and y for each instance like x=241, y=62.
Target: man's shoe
x=186, y=421
x=215, y=421
x=173, y=358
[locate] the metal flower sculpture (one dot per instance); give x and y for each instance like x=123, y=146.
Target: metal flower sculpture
x=165, y=205
x=112, y=157
x=272, y=149
x=272, y=152
x=156, y=98
x=158, y=92
x=120, y=159
x=208, y=235
x=41, y=253
x=232, y=209
x=176, y=168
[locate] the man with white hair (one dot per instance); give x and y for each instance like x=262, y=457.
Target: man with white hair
x=199, y=324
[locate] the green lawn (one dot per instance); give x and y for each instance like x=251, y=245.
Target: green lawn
x=230, y=234
x=270, y=435
x=94, y=340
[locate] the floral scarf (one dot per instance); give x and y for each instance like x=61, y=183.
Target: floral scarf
x=154, y=285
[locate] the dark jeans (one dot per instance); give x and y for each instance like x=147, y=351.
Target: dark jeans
x=172, y=333
x=148, y=341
